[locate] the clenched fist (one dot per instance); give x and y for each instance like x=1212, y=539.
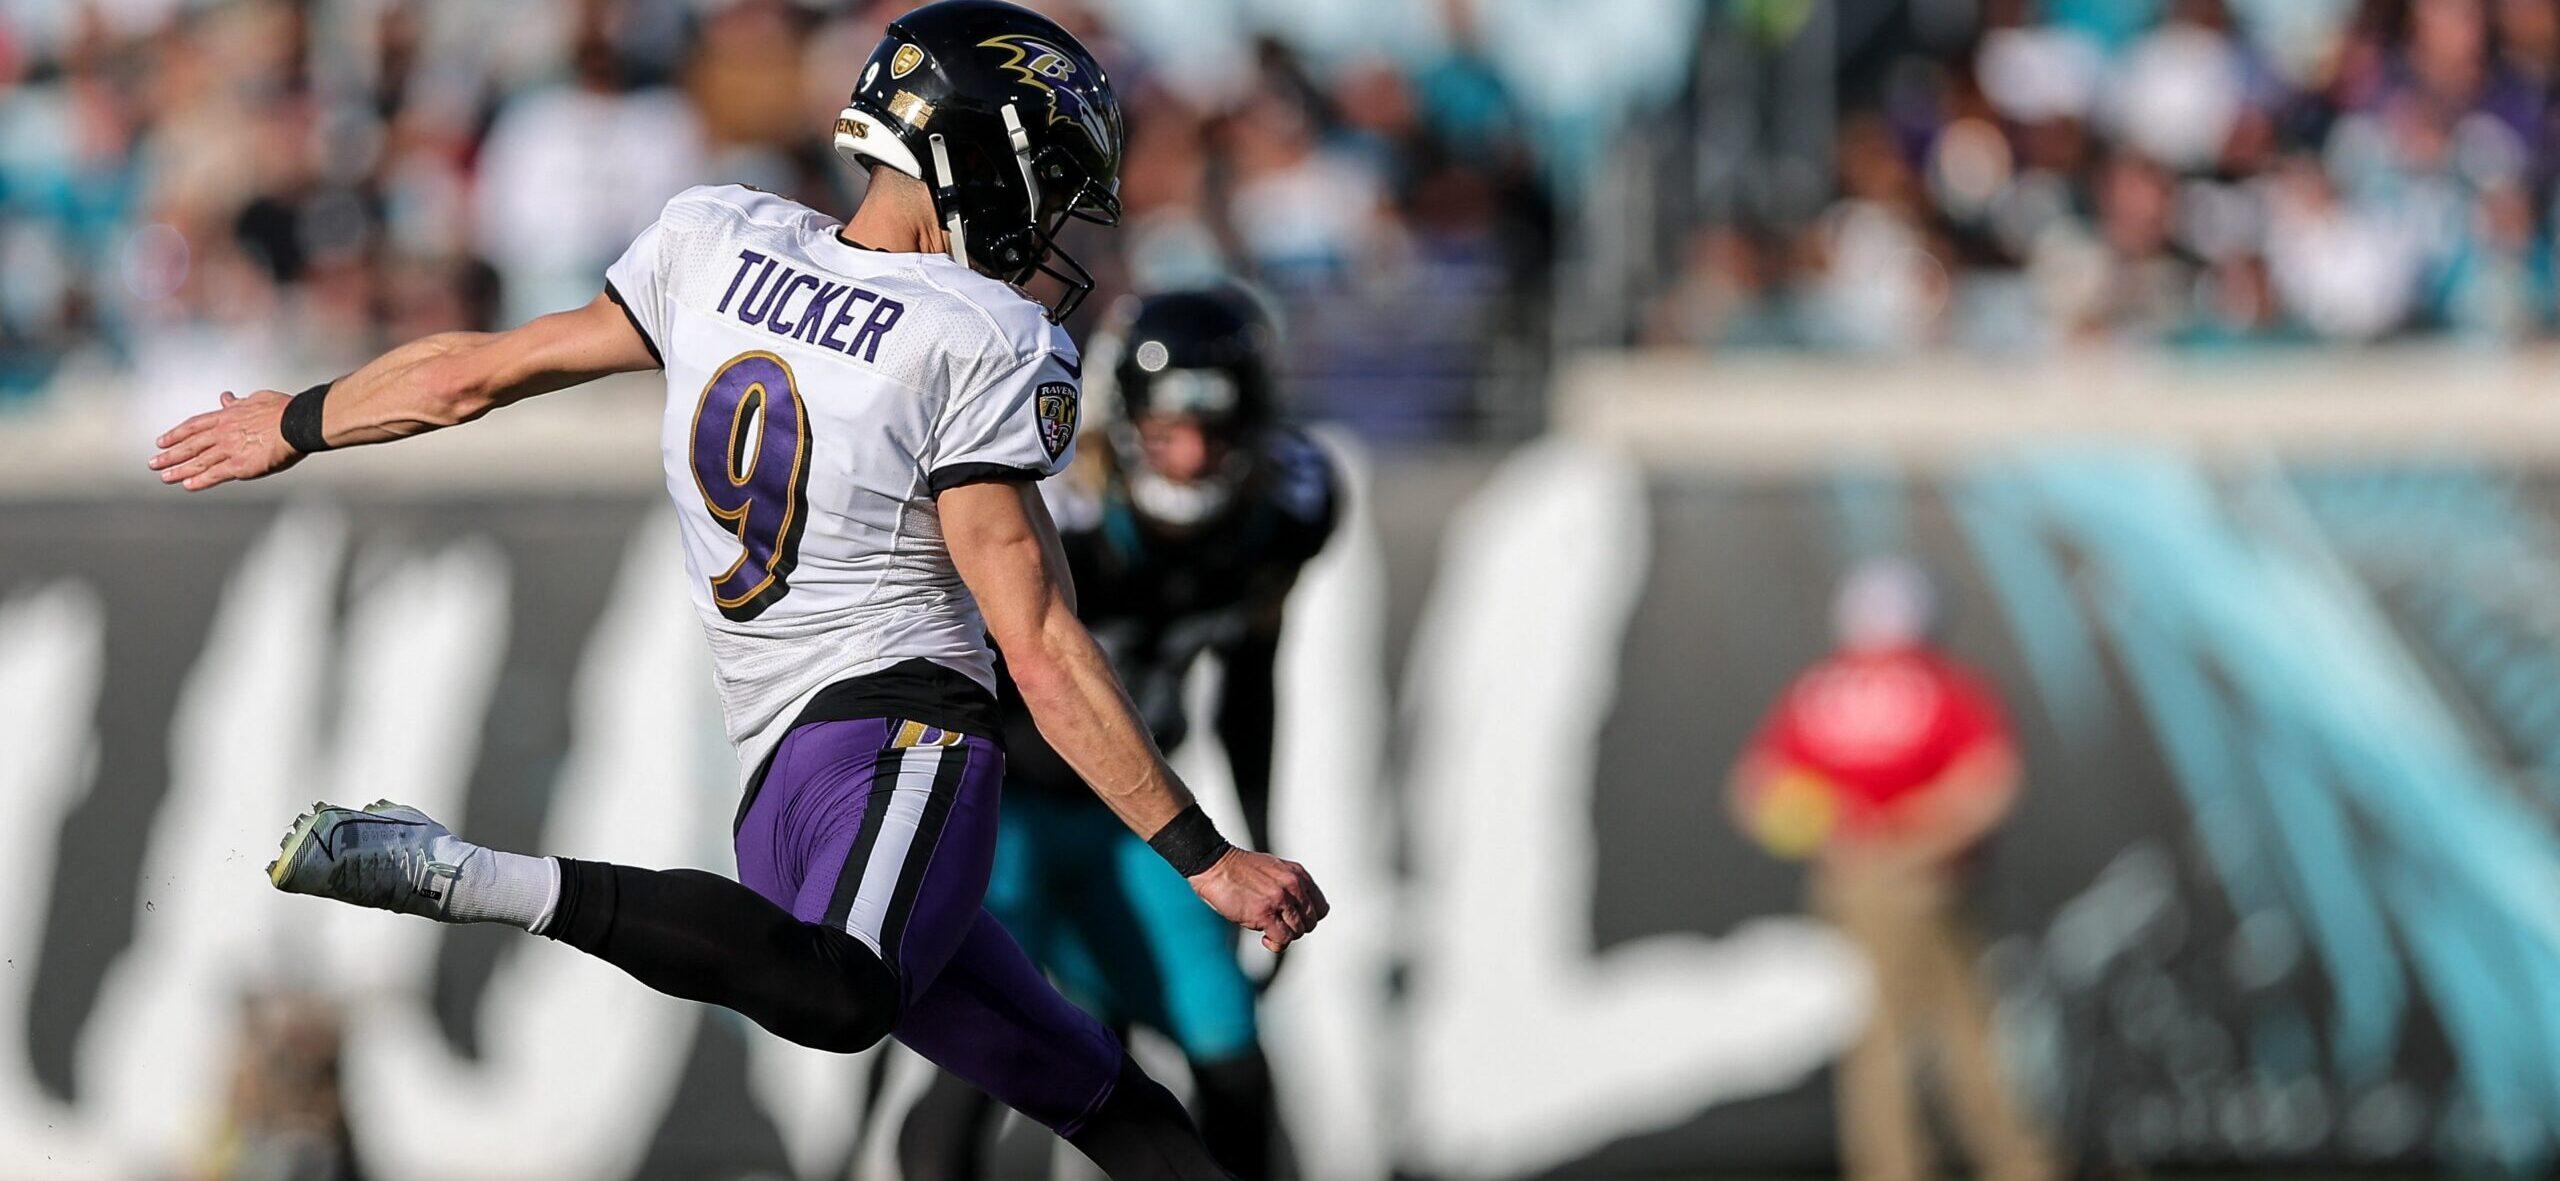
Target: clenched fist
x=241, y=441
x=1263, y=893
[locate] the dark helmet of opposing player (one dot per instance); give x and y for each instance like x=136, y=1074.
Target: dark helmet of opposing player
x=1203, y=355
x=1007, y=119
x=1203, y=352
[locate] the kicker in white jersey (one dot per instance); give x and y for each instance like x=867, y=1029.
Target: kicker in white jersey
x=818, y=395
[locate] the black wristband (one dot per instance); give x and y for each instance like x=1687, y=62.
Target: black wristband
x=301, y=425
x=1189, y=842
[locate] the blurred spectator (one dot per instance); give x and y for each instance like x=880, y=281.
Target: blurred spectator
x=1725, y=297
x=1306, y=213
x=1889, y=763
x=572, y=173
x=1879, y=283
x=2180, y=89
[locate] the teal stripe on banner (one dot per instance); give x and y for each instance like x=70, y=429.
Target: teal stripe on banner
x=2327, y=772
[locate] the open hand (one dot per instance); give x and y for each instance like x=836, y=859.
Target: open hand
x=1263, y=893
x=243, y=440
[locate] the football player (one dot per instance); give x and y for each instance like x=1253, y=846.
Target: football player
x=1185, y=536
x=857, y=415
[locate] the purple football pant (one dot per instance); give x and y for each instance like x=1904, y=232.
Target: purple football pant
x=887, y=830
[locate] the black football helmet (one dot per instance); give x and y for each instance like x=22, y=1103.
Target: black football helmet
x=1204, y=352
x=1007, y=119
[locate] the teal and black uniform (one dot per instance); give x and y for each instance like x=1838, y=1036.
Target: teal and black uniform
x=1121, y=931
x=1166, y=573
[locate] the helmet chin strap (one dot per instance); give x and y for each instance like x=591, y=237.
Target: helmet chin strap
x=1021, y=138
x=951, y=222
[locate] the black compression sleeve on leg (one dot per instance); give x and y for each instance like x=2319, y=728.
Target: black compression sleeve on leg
x=1141, y=1133
x=703, y=937
x=583, y=916
x=944, y=1136
x=1237, y=1115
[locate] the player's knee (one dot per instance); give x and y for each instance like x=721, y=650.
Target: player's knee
x=857, y=1003
x=850, y=1030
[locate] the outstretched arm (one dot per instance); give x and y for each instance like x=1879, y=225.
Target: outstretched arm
x=427, y=384
x=1007, y=551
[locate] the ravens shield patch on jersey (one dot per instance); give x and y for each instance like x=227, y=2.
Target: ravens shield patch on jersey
x=1056, y=405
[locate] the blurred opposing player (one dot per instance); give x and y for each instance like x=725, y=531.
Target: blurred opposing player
x=856, y=417
x=1888, y=762
x=1185, y=537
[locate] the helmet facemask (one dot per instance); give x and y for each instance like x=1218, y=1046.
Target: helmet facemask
x=1052, y=169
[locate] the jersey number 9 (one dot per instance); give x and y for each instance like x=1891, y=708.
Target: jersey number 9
x=751, y=461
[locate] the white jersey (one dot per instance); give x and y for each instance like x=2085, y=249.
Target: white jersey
x=818, y=396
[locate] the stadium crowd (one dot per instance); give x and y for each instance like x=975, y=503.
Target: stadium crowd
x=278, y=187
x=282, y=188
x=2195, y=173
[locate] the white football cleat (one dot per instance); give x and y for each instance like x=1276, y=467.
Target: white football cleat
x=385, y=855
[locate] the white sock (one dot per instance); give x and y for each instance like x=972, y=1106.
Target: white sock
x=509, y=888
